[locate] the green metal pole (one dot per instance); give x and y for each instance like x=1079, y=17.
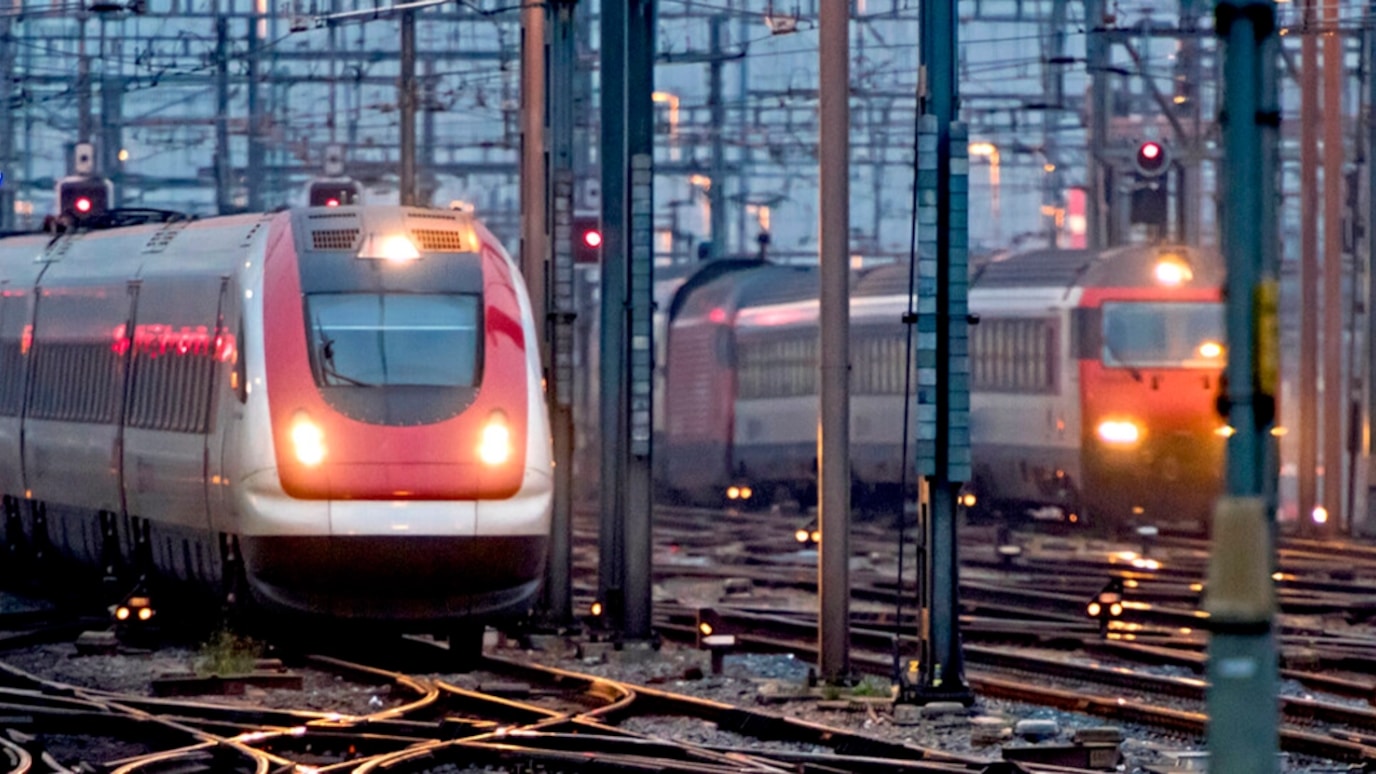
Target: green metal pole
x=1243, y=736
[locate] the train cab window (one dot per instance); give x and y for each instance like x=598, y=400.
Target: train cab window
x=394, y=339
x=1170, y=334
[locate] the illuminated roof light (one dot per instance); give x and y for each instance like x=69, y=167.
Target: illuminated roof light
x=1172, y=273
x=1211, y=350
x=394, y=247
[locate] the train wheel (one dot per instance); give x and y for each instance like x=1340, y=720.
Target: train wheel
x=466, y=647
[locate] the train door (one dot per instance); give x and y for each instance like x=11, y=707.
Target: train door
x=177, y=346
x=16, y=334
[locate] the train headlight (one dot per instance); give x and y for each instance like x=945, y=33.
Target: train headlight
x=308, y=439
x=1173, y=272
x=495, y=447
x=1121, y=432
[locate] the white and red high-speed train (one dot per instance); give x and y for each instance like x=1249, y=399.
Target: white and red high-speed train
x=338, y=409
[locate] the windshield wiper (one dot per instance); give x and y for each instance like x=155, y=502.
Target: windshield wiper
x=1117, y=358
x=328, y=370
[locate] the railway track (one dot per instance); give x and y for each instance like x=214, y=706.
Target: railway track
x=551, y=720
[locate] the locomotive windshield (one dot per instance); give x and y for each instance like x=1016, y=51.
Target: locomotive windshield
x=1175, y=334
x=393, y=339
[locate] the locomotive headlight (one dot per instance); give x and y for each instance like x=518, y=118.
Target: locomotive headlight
x=1172, y=272
x=495, y=446
x=308, y=439
x=1121, y=432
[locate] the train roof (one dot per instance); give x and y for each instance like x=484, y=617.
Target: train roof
x=1129, y=265
x=749, y=286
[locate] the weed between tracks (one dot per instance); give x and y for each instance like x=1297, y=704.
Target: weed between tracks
x=227, y=653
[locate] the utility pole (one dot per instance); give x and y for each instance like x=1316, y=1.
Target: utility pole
x=253, y=175
x=1309, y=269
x=1370, y=55
x=1053, y=80
x=111, y=122
x=639, y=489
x=224, y=166
x=9, y=176
x=406, y=99
x=1242, y=671
x=611, y=541
x=1101, y=180
x=534, y=237
x=943, y=369
x=833, y=438
x=1334, y=395
x=627, y=351
x=717, y=106
x=1190, y=75
x=559, y=325
x=85, y=123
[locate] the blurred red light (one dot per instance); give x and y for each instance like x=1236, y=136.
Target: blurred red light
x=331, y=202
x=83, y=204
x=592, y=238
x=1151, y=150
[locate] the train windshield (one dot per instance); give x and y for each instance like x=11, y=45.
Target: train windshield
x=1176, y=334
x=393, y=339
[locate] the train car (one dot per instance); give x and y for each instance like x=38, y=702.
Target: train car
x=333, y=413
x=1093, y=384
x=1095, y=377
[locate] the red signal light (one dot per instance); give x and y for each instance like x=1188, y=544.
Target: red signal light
x=83, y=204
x=331, y=202
x=592, y=238
x=1152, y=159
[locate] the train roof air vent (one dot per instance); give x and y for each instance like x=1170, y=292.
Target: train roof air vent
x=335, y=238
x=434, y=240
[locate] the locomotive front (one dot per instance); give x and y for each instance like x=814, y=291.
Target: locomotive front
x=396, y=463
x=1152, y=349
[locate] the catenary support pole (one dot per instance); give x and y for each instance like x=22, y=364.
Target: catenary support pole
x=534, y=191
x=1370, y=117
x=943, y=370
x=558, y=593
x=406, y=101
x=641, y=19
x=1334, y=302
x=1242, y=667
x=611, y=542
x=1307, y=473
x=716, y=103
x=224, y=166
x=1100, y=171
x=833, y=438
x=9, y=174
